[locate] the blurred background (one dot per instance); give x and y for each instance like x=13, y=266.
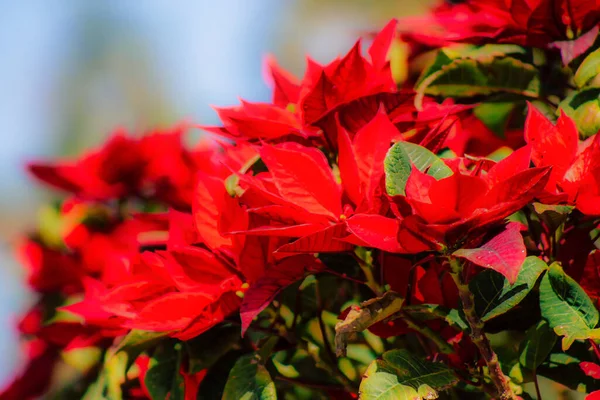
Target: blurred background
x=72, y=71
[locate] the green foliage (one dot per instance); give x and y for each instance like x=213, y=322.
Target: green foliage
x=588, y=70
x=566, y=307
x=399, y=161
x=494, y=295
x=538, y=344
x=473, y=71
x=249, y=380
x=205, y=350
x=584, y=108
x=163, y=378
x=495, y=115
x=400, y=375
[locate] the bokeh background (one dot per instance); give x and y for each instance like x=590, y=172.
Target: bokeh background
x=71, y=71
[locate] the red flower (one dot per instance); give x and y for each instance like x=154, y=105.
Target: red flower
x=449, y=210
x=183, y=292
x=533, y=23
x=157, y=166
x=575, y=175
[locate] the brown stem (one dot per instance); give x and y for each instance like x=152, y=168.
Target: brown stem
x=478, y=336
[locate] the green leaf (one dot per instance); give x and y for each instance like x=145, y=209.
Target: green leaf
x=399, y=161
x=553, y=214
x=399, y=375
x=446, y=55
x=566, y=307
x=467, y=77
x=584, y=108
x=136, y=341
x=249, y=380
x=538, y=343
x=206, y=349
x=495, y=115
x=564, y=369
x=163, y=377
x=494, y=295
x=588, y=70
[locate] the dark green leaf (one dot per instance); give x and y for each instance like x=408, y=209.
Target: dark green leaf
x=466, y=77
x=249, y=380
x=566, y=307
x=446, y=55
x=207, y=348
x=163, y=377
x=494, y=295
x=399, y=375
x=564, y=369
x=538, y=343
x=398, y=164
x=553, y=215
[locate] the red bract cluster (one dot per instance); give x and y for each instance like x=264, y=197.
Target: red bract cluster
x=448, y=201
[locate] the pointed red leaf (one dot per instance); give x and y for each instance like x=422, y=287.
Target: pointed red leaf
x=347, y=162
x=276, y=278
x=376, y=231
x=381, y=44
x=303, y=176
x=505, y=253
x=371, y=144
x=282, y=231
x=517, y=162
x=351, y=69
x=319, y=100
x=212, y=206
x=326, y=240
x=551, y=145
x=286, y=87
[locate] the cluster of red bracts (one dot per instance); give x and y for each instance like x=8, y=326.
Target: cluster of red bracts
x=161, y=237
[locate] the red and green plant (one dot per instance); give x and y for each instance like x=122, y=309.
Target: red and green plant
x=385, y=228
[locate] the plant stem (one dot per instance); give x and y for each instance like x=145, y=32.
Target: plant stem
x=478, y=337
x=595, y=348
x=537, y=386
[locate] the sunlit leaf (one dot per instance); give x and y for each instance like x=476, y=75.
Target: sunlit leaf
x=399, y=375
x=566, y=307
x=399, y=161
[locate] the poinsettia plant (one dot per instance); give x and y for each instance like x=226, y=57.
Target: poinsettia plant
x=413, y=221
